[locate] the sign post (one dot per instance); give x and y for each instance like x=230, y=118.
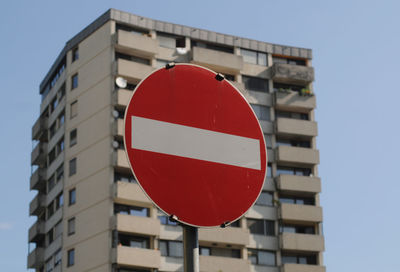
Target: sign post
x=196, y=149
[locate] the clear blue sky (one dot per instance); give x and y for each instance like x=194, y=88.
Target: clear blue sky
x=356, y=47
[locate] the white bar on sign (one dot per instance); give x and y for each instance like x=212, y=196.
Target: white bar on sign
x=189, y=142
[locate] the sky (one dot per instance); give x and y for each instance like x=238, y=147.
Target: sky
x=356, y=47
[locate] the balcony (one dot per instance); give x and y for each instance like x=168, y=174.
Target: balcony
x=120, y=159
x=289, y=126
x=39, y=153
x=216, y=60
x=36, y=231
x=300, y=213
x=292, y=74
x=139, y=257
x=302, y=268
x=133, y=70
x=140, y=45
x=291, y=183
x=122, y=97
x=130, y=194
x=298, y=155
x=214, y=263
x=228, y=235
x=37, y=205
x=301, y=242
x=136, y=224
x=38, y=180
x=36, y=258
x=39, y=129
x=293, y=101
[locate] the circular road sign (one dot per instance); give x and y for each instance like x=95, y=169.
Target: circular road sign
x=195, y=145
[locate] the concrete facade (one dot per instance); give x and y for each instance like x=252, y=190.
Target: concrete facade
x=91, y=213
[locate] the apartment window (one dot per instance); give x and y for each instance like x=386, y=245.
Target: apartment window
x=60, y=172
x=72, y=196
x=74, y=109
x=269, y=170
x=261, y=226
x=61, y=119
x=287, y=87
x=268, y=140
x=261, y=257
x=71, y=257
x=297, y=171
x=57, y=257
x=254, y=57
x=60, y=146
x=220, y=252
x=59, y=201
x=52, y=130
x=133, y=241
x=50, y=209
x=298, y=229
x=74, y=81
x=301, y=62
x=51, y=156
x=293, y=115
x=291, y=142
x=205, y=251
x=288, y=258
x=165, y=220
x=167, y=41
x=213, y=46
x=71, y=226
x=49, y=265
x=124, y=177
x=131, y=210
x=73, y=137
x=58, y=229
x=255, y=84
x=72, y=167
x=171, y=248
x=61, y=92
x=265, y=199
x=50, y=236
x=119, y=55
x=53, y=104
x=262, y=112
x=75, y=54
x=297, y=200
x=132, y=30
x=51, y=182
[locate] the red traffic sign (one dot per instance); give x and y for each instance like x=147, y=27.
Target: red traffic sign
x=195, y=145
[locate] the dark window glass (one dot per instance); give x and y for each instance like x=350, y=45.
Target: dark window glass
x=74, y=81
x=298, y=229
x=299, y=258
x=205, y=251
x=261, y=226
x=292, y=115
x=71, y=257
x=72, y=196
x=73, y=137
x=265, y=199
x=171, y=248
x=124, y=177
x=75, y=54
x=255, y=84
x=286, y=170
x=131, y=210
x=165, y=220
x=297, y=200
x=262, y=112
x=60, y=172
x=261, y=257
x=71, y=226
x=293, y=142
x=133, y=241
x=72, y=167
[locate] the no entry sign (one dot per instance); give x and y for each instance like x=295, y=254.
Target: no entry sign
x=195, y=145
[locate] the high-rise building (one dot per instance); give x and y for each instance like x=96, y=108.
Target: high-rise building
x=91, y=213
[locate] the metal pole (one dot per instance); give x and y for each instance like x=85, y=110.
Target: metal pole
x=191, y=249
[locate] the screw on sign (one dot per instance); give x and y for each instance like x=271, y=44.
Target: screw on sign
x=195, y=145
